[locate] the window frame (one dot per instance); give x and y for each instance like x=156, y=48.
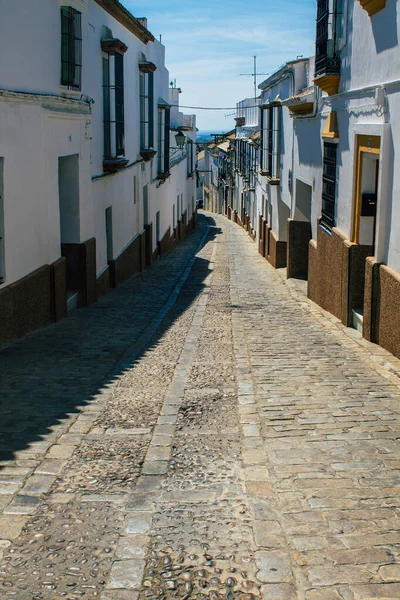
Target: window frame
x=71, y=48
x=163, y=150
x=328, y=37
x=270, y=150
x=329, y=185
x=146, y=107
x=190, y=157
x=113, y=105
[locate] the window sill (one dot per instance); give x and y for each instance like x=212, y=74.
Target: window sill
x=270, y=180
x=113, y=165
x=326, y=228
x=67, y=92
x=148, y=153
x=163, y=176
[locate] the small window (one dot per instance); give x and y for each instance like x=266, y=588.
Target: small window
x=329, y=186
x=71, y=48
x=163, y=141
x=270, y=142
x=190, y=156
x=146, y=110
x=113, y=105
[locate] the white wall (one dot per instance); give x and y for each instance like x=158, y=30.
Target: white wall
x=36, y=130
x=31, y=140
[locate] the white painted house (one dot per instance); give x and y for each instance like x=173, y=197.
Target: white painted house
x=92, y=185
x=345, y=162
x=323, y=176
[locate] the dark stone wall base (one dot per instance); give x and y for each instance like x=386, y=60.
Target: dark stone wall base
x=58, y=274
x=276, y=251
x=165, y=244
x=381, y=323
x=148, y=236
x=389, y=310
x=103, y=283
x=328, y=272
x=299, y=235
x=81, y=270
x=336, y=273
x=32, y=302
x=126, y=264
x=371, y=300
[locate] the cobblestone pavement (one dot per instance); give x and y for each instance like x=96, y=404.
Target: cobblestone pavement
x=204, y=432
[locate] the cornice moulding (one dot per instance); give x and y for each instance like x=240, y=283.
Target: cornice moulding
x=123, y=16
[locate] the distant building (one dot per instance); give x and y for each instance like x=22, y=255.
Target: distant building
x=93, y=186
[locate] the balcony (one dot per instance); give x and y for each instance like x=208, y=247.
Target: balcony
x=327, y=57
x=372, y=6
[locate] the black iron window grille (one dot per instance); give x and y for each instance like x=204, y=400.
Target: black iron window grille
x=327, y=58
x=252, y=166
x=71, y=48
x=146, y=110
x=163, y=159
x=329, y=185
x=270, y=141
x=190, y=158
x=113, y=106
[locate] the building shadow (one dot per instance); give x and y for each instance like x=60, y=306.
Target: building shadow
x=54, y=372
x=384, y=27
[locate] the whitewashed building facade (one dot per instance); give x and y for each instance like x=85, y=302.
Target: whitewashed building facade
x=92, y=186
x=325, y=167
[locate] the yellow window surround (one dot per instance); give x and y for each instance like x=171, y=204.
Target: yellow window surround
x=331, y=130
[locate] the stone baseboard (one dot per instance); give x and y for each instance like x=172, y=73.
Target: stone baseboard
x=299, y=235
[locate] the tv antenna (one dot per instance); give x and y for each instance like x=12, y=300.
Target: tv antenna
x=255, y=75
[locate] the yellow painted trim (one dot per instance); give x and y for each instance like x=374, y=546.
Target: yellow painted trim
x=373, y=6
x=331, y=129
x=328, y=83
x=364, y=145
x=302, y=108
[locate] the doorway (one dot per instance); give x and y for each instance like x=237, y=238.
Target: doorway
x=299, y=233
x=366, y=195
x=68, y=194
x=109, y=234
x=367, y=162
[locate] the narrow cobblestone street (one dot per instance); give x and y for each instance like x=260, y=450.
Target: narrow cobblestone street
x=202, y=432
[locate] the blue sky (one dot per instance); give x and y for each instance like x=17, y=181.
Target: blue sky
x=209, y=43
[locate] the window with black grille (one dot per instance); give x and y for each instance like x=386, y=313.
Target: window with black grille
x=113, y=105
x=270, y=142
x=329, y=24
x=146, y=110
x=71, y=48
x=329, y=185
x=164, y=117
x=190, y=158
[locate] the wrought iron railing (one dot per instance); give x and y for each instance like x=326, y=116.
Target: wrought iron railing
x=327, y=59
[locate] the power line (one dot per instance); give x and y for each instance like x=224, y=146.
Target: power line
x=216, y=107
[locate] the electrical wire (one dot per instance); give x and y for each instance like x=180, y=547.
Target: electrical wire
x=216, y=107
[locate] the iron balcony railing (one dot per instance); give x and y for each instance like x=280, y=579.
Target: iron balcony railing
x=327, y=58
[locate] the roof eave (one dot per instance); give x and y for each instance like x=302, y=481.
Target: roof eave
x=121, y=14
